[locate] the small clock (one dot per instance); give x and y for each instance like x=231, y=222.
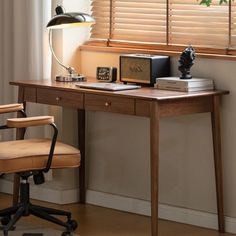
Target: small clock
x=106, y=74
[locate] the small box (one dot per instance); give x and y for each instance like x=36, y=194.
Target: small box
x=143, y=68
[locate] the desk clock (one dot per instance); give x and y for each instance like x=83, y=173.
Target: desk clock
x=106, y=74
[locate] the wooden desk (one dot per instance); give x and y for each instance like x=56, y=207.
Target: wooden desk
x=148, y=102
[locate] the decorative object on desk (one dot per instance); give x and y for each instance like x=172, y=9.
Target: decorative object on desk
x=106, y=74
x=65, y=20
x=186, y=62
x=143, y=68
x=191, y=85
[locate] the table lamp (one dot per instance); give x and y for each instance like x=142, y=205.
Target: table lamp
x=65, y=20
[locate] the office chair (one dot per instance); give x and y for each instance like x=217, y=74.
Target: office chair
x=34, y=157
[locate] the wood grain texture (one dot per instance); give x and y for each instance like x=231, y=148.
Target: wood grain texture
x=216, y=135
x=148, y=102
x=30, y=94
x=20, y=133
x=81, y=146
x=146, y=93
x=99, y=221
x=97, y=47
x=143, y=108
x=154, y=163
x=59, y=98
x=109, y=104
x=185, y=106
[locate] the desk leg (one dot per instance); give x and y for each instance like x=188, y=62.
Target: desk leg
x=154, y=165
x=19, y=135
x=215, y=120
x=81, y=145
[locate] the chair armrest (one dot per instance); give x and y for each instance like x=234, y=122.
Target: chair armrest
x=29, y=121
x=37, y=121
x=11, y=108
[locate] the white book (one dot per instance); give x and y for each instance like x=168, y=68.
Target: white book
x=180, y=83
x=185, y=89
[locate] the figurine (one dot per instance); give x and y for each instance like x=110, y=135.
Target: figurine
x=186, y=61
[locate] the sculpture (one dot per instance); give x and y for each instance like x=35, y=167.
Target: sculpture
x=186, y=61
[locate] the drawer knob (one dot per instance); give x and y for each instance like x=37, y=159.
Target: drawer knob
x=107, y=104
x=58, y=99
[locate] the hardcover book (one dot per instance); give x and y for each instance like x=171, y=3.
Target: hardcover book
x=175, y=83
x=185, y=89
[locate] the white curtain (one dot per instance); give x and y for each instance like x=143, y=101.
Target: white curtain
x=24, y=49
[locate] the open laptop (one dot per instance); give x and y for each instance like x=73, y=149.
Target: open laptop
x=108, y=86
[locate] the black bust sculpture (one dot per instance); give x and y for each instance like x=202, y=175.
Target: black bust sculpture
x=185, y=62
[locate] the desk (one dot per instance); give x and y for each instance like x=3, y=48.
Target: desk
x=147, y=102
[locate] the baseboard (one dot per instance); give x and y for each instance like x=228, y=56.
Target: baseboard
x=173, y=213
x=45, y=194
x=178, y=214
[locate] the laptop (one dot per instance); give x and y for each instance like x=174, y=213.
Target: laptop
x=108, y=86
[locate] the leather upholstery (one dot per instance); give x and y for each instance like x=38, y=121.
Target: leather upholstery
x=11, y=108
x=29, y=121
x=32, y=154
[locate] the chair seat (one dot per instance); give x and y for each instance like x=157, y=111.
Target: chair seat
x=32, y=154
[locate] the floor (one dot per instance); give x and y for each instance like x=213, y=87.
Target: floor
x=99, y=221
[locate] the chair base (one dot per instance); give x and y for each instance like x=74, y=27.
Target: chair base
x=25, y=208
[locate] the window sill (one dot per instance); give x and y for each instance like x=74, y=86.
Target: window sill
x=151, y=51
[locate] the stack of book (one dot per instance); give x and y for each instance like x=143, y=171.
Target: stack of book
x=190, y=85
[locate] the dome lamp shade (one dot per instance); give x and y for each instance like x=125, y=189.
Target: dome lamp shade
x=64, y=20
x=70, y=19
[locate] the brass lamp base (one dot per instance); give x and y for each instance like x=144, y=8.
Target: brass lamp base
x=70, y=78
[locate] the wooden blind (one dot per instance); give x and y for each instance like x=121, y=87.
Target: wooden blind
x=233, y=24
x=165, y=24
x=102, y=14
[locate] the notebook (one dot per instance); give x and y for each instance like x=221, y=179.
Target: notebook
x=108, y=86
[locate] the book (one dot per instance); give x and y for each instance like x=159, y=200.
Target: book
x=177, y=82
x=185, y=89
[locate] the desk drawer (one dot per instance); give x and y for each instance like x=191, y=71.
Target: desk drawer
x=29, y=94
x=60, y=98
x=109, y=104
x=143, y=108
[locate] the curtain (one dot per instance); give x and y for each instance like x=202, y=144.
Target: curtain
x=24, y=49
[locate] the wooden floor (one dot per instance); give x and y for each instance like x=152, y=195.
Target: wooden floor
x=99, y=221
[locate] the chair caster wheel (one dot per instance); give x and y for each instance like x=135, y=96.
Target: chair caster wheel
x=73, y=224
x=5, y=220
x=5, y=233
x=65, y=234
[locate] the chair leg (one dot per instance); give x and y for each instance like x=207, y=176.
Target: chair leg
x=45, y=216
x=13, y=221
x=8, y=211
x=53, y=211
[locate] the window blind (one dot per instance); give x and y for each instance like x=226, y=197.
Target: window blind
x=233, y=24
x=101, y=12
x=165, y=24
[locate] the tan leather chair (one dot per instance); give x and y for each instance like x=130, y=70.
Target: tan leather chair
x=34, y=157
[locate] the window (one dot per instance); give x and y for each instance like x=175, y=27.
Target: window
x=165, y=25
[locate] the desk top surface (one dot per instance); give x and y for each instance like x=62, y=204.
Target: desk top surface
x=148, y=93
